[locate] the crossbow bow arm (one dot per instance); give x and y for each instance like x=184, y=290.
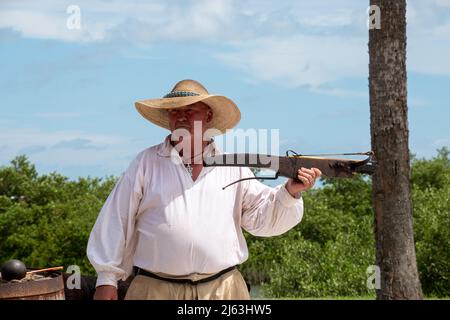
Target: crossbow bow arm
x=288, y=166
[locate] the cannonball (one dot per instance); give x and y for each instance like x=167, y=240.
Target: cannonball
x=13, y=270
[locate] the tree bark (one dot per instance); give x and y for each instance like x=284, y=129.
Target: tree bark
x=395, y=249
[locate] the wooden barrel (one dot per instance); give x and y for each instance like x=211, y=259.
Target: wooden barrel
x=50, y=287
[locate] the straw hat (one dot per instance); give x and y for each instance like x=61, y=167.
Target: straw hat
x=225, y=112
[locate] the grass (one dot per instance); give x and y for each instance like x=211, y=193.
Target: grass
x=256, y=294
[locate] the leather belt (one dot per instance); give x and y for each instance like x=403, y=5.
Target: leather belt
x=142, y=272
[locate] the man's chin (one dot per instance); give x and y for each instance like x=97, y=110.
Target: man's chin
x=184, y=127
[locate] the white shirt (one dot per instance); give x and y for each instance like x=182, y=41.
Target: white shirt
x=159, y=219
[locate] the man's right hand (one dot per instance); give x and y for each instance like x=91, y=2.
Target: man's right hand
x=105, y=293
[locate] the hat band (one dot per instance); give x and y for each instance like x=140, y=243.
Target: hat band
x=176, y=94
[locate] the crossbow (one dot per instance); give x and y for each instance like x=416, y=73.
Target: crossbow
x=288, y=166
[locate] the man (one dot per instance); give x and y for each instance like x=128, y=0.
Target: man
x=168, y=219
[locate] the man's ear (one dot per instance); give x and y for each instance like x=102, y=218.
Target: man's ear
x=209, y=115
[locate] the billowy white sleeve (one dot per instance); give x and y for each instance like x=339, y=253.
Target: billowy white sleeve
x=111, y=240
x=268, y=211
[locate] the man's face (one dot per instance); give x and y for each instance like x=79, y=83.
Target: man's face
x=184, y=118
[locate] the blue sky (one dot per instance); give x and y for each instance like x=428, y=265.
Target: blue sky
x=67, y=96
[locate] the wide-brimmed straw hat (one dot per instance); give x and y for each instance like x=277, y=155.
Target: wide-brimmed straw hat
x=225, y=112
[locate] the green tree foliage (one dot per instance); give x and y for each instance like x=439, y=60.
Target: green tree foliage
x=45, y=220
x=432, y=174
x=329, y=252
x=431, y=201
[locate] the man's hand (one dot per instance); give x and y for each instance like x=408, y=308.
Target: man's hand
x=105, y=293
x=307, y=179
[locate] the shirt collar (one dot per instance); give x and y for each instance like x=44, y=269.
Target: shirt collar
x=167, y=150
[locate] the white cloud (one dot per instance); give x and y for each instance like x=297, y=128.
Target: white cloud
x=300, y=60
x=294, y=43
x=203, y=19
x=47, y=19
x=44, y=25
x=102, y=21
x=35, y=25
x=219, y=20
x=428, y=37
x=329, y=20
x=341, y=92
x=64, y=148
x=31, y=136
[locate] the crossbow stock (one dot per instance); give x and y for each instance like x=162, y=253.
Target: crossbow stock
x=288, y=166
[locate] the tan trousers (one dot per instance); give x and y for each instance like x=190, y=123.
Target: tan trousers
x=229, y=286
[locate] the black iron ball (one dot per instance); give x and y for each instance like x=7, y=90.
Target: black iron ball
x=13, y=270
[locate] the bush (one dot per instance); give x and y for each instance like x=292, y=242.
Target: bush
x=46, y=220
x=328, y=253
x=431, y=201
x=327, y=263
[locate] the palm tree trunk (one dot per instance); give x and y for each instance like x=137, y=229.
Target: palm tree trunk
x=395, y=250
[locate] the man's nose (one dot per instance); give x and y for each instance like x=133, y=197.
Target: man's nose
x=182, y=114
